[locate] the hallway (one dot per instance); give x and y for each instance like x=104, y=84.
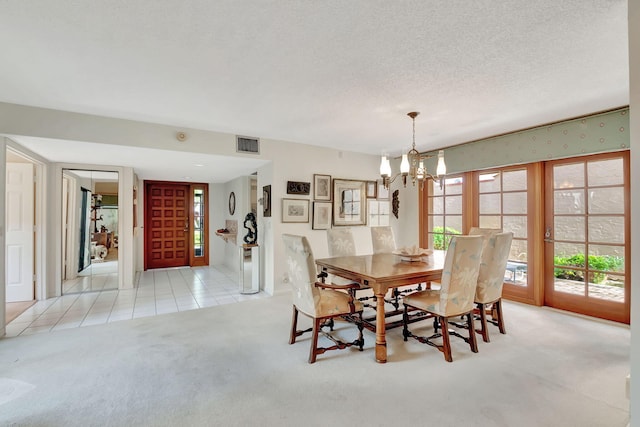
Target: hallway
x=158, y=292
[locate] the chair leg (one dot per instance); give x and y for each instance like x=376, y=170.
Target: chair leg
x=360, y=325
x=294, y=325
x=498, y=307
x=446, y=345
x=313, y=352
x=473, y=343
x=405, y=323
x=484, y=331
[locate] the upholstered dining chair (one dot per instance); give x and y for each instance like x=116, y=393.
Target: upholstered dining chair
x=486, y=232
x=488, y=298
x=319, y=301
x=383, y=240
x=341, y=243
x=455, y=297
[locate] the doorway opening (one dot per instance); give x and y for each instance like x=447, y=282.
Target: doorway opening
x=90, y=230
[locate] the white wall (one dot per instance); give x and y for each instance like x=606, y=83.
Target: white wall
x=3, y=296
x=288, y=162
x=296, y=162
x=634, y=122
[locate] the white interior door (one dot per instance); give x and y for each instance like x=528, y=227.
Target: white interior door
x=19, y=237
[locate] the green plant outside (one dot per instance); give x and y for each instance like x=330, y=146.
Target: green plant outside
x=442, y=237
x=596, y=262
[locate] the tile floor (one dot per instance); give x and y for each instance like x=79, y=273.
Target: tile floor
x=158, y=292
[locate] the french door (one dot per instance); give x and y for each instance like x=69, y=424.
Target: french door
x=586, y=235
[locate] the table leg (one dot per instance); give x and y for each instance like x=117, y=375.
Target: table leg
x=381, y=342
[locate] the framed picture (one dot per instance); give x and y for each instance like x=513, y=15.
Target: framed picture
x=372, y=189
x=301, y=188
x=349, y=202
x=383, y=193
x=266, y=201
x=295, y=210
x=321, y=187
x=321, y=215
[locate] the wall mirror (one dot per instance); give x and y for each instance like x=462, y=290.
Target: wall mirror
x=90, y=230
x=349, y=202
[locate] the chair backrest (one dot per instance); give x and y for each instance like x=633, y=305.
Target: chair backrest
x=340, y=241
x=495, y=255
x=301, y=267
x=460, y=274
x=474, y=231
x=382, y=240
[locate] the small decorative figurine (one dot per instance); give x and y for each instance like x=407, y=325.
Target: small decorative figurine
x=252, y=229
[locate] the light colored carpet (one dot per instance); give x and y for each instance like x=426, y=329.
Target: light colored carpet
x=231, y=365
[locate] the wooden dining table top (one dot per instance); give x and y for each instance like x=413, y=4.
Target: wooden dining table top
x=387, y=269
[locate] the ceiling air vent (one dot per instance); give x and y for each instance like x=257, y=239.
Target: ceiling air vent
x=247, y=144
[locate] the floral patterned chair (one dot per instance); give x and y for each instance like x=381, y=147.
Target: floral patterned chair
x=319, y=301
x=455, y=297
x=383, y=240
x=341, y=243
x=488, y=299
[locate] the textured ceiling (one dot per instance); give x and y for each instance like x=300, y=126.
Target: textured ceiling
x=336, y=73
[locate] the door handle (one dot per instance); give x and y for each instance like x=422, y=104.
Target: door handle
x=186, y=225
x=547, y=236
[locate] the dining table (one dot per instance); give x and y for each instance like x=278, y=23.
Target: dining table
x=382, y=272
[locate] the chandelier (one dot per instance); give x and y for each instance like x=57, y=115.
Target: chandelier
x=412, y=165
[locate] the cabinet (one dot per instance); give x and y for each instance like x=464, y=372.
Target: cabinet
x=249, y=279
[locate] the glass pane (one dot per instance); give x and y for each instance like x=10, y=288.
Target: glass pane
x=571, y=254
x=373, y=207
x=606, y=229
x=605, y=172
x=569, y=228
x=568, y=202
x=453, y=185
x=490, y=221
x=437, y=223
x=489, y=204
x=606, y=200
x=516, y=273
x=436, y=241
x=515, y=224
x=569, y=281
x=434, y=189
x=453, y=224
x=514, y=180
x=515, y=203
x=489, y=182
x=606, y=258
x=610, y=289
x=383, y=208
x=605, y=287
x=437, y=205
x=453, y=205
x=568, y=176
x=518, y=250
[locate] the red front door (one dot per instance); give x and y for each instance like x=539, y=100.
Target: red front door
x=166, y=225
